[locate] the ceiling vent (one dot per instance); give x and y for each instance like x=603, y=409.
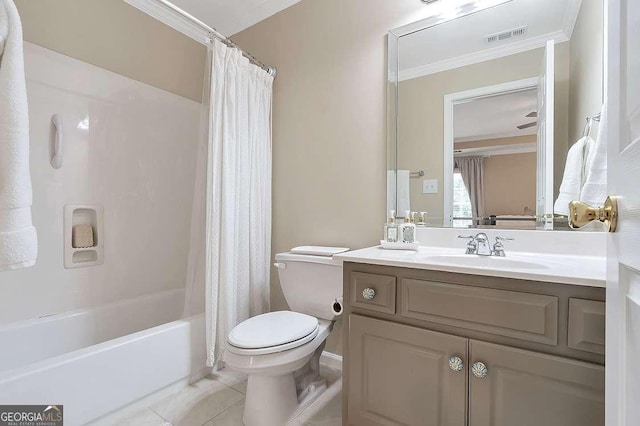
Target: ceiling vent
x=506, y=35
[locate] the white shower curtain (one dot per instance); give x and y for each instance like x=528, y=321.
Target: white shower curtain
x=237, y=212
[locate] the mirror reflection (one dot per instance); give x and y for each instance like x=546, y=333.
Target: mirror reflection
x=486, y=109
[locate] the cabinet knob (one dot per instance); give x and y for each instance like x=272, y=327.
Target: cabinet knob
x=479, y=370
x=456, y=364
x=368, y=293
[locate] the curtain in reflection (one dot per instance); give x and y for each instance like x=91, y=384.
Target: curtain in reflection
x=472, y=172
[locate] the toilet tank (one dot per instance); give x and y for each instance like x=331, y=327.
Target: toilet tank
x=310, y=283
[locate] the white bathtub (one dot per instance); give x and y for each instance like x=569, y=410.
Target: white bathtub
x=95, y=361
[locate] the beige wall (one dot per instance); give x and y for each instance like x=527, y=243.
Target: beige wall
x=509, y=180
x=328, y=121
x=586, y=68
x=115, y=36
x=420, y=128
x=510, y=183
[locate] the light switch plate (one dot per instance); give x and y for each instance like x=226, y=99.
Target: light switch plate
x=430, y=186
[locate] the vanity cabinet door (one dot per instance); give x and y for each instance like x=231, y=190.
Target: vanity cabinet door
x=527, y=388
x=400, y=375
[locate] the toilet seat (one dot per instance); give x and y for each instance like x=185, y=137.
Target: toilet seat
x=272, y=332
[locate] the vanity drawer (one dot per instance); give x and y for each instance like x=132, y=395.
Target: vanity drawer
x=526, y=316
x=586, y=325
x=381, y=299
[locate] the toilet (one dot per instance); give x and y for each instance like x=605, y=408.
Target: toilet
x=280, y=351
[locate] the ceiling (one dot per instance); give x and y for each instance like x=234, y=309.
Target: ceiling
x=464, y=39
x=232, y=16
x=495, y=117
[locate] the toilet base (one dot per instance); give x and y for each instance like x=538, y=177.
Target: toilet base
x=270, y=400
x=276, y=400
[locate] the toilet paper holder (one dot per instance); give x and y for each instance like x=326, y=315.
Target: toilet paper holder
x=337, y=307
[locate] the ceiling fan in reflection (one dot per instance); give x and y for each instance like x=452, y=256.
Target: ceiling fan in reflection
x=531, y=124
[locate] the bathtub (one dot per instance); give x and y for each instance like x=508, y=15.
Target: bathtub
x=94, y=361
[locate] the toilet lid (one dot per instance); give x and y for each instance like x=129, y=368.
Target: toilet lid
x=272, y=329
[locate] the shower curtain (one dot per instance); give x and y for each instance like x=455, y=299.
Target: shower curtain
x=230, y=257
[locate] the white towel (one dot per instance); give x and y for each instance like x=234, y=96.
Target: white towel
x=18, y=241
x=398, y=185
x=594, y=192
x=391, y=190
x=404, y=192
x=575, y=173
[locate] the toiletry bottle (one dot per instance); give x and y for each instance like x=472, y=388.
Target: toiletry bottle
x=423, y=218
x=408, y=229
x=391, y=228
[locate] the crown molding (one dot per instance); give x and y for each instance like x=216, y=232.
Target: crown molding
x=502, y=135
x=484, y=55
x=174, y=17
x=488, y=151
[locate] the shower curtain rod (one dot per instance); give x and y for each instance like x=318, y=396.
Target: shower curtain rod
x=214, y=34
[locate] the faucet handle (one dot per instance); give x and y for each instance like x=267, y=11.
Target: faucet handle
x=472, y=246
x=498, y=247
x=500, y=239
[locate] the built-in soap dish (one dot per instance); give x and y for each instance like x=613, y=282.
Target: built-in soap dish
x=83, y=235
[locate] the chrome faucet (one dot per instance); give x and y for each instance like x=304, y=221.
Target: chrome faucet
x=498, y=247
x=479, y=244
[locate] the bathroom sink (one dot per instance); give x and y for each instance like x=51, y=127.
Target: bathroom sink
x=485, y=261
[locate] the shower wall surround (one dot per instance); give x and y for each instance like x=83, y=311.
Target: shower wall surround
x=130, y=148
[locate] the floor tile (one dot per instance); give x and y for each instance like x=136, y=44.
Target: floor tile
x=329, y=415
x=232, y=416
x=198, y=403
x=218, y=400
x=143, y=418
x=232, y=378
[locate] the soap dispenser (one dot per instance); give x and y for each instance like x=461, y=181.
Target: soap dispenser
x=391, y=228
x=423, y=218
x=408, y=229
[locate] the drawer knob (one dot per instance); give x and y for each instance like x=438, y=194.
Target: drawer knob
x=456, y=364
x=479, y=370
x=368, y=293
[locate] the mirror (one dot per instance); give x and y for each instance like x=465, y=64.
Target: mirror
x=485, y=99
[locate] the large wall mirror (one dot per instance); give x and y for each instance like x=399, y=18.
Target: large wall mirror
x=486, y=98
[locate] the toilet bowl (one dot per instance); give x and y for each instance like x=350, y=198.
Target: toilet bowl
x=280, y=351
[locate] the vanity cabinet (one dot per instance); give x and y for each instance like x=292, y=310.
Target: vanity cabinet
x=527, y=388
x=439, y=348
x=401, y=375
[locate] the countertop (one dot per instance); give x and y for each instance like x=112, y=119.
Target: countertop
x=555, y=268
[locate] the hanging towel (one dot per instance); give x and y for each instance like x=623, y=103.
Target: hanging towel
x=404, y=192
x=575, y=173
x=594, y=191
x=18, y=241
x=398, y=184
x=391, y=190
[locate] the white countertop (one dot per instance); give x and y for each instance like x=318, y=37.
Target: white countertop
x=556, y=268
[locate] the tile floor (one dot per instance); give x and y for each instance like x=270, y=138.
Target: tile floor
x=218, y=400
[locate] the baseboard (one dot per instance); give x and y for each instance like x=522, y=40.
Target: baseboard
x=331, y=360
